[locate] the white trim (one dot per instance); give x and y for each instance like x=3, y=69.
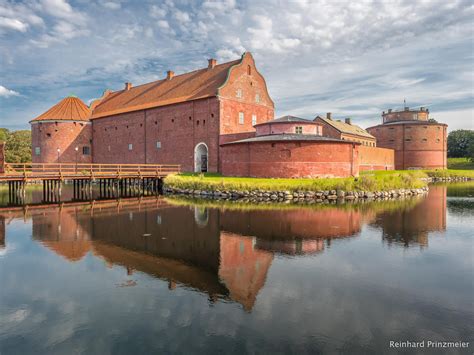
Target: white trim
x=59, y=121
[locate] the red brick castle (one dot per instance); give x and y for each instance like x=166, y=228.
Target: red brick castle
x=218, y=119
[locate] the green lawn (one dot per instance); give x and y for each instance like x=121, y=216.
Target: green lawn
x=460, y=163
x=368, y=181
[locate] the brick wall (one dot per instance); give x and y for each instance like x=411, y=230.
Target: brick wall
x=290, y=159
x=65, y=135
x=375, y=158
x=178, y=128
x=405, y=116
x=416, y=145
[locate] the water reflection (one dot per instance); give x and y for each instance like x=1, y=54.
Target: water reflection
x=224, y=253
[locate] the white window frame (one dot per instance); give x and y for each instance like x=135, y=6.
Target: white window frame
x=241, y=118
x=158, y=144
x=257, y=98
x=239, y=93
x=130, y=146
x=254, y=119
x=37, y=150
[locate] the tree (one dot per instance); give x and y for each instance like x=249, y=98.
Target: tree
x=459, y=142
x=4, y=134
x=470, y=149
x=18, y=146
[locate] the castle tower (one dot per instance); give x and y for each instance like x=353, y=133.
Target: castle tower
x=419, y=142
x=63, y=134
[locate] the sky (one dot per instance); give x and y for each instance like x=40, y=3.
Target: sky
x=352, y=58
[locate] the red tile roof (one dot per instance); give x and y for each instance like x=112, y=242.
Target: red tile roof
x=68, y=109
x=194, y=85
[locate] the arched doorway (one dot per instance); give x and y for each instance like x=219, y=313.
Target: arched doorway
x=200, y=158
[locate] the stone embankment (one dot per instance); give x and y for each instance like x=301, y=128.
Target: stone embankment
x=297, y=196
x=447, y=179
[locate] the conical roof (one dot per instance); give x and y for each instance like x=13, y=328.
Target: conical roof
x=68, y=109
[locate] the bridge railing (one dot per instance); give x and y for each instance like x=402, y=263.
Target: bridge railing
x=64, y=170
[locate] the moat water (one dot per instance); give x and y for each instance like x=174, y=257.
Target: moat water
x=165, y=275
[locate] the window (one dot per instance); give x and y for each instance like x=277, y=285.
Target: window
x=241, y=117
x=299, y=130
x=158, y=145
x=257, y=98
x=37, y=150
x=48, y=134
x=249, y=70
x=86, y=150
x=239, y=93
x=254, y=120
x=130, y=146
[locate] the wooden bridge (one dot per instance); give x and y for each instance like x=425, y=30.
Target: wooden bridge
x=113, y=180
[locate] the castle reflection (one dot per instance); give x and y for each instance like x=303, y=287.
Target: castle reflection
x=224, y=253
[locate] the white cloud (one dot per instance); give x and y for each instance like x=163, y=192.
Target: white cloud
x=4, y=92
x=13, y=24
x=181, y=17
x=112, y=5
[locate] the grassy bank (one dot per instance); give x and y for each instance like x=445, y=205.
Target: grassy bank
x=460, y=164
x=366, y=182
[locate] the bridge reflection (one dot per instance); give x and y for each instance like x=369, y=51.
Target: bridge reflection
x=224, y=253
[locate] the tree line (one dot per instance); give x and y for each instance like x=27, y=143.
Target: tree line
x=461, y=144
x=17, y=145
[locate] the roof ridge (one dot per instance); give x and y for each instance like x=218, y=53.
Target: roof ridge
x=177, y=75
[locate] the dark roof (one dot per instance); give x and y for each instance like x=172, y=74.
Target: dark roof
x=290, y=137
x=286, y=119
x=346, y=128
x=289, y=118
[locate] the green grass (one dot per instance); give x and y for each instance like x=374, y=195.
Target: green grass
x=460, y=164
x=366, y=182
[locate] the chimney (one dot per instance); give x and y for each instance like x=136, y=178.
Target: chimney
x=348, y=120
x=128, y=86
x=422, y=108
x=328, y=116
x=389, y=110
x=212, y=63
x=169, y=74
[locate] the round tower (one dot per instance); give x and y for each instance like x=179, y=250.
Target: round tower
x=419, y=142
x=63, y=134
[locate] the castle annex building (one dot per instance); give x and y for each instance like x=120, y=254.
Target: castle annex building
x=418, y=141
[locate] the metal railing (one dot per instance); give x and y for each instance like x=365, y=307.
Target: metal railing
x=73, y=170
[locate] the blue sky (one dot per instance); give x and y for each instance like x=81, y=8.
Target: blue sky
x=352, y=58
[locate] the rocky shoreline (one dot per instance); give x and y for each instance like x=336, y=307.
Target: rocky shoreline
x=448, y=179
x=327, y=196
